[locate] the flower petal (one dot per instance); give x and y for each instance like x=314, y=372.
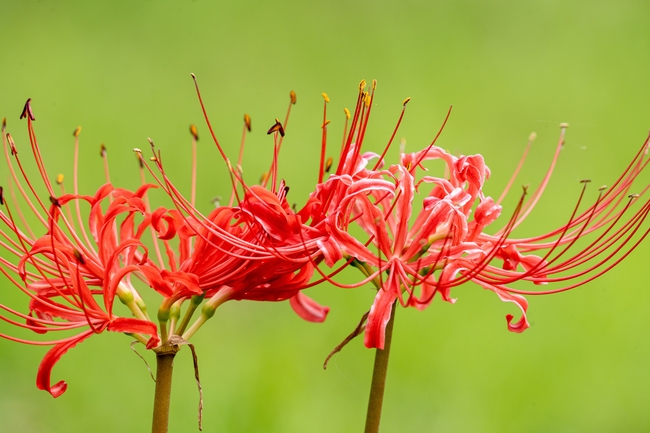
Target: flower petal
x=378, y=319
x=50, y=359
x=308, y=309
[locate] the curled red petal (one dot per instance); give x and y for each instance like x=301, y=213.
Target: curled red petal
x=136, y=326
x=308, y=309
x=50, y=359
x=522, y=324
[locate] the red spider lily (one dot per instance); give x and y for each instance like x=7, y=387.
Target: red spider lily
x=257, y=248
x=410, y=259
x=72, y=273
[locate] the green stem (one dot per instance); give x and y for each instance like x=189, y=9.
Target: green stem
x=379, y=379
x=195, y=301
x=165, y=363
x=208, y=311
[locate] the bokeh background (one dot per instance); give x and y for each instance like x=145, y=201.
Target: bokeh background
x=122, y=69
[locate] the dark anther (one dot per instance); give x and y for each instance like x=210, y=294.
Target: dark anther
x=55, y=201
x=79, y=257
x=102, y=150
x=276, y=128
x=2, y=198
x=77, y=131
x=27, y=111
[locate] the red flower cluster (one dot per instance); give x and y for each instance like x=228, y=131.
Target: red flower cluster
x=423, y=235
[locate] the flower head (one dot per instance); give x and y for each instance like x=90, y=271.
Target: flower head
x=72, y=273
x=427, y=234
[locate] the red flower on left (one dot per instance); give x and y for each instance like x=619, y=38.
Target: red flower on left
x=73, y=272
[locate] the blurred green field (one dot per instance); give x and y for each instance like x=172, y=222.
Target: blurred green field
x=122, y=69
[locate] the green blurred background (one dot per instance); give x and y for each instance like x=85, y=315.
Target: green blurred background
x=121, y=71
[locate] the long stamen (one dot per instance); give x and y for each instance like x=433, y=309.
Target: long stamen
x=433, y=142
x=154, y=238
x=247, y=127
x=195, y=139
x=392, y=137
x=528, y=207
x=355, y=119
x=345, y=130
x=276, y=129
x=207, y=120
x=292, y=101
x=75, y=186
x=323, y=149
x=531, y=138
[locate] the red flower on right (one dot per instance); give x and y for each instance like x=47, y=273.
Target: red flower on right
x=425, y=234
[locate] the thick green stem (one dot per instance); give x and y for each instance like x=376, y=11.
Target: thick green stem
x=379, y=379
x=165, y=363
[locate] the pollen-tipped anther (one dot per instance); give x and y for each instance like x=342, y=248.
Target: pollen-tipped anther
x=59, y=179
x=292, y=95
x=362, y=85
x=585, y=181
x=27, y=111
x=406, y=101
x=532, y=136
x=325, y=97
x=194, y=132
x=102, y=150
x=247, y=122
x=327, y=122
x=633, y=196
x=564, y=125
x=14, y=151
x=347, y=113
x=328, y=164
x=76, y=131
x=374, y=84
x=277, y=127
x=4, y=123
x=151, y=142
x=602, y=188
